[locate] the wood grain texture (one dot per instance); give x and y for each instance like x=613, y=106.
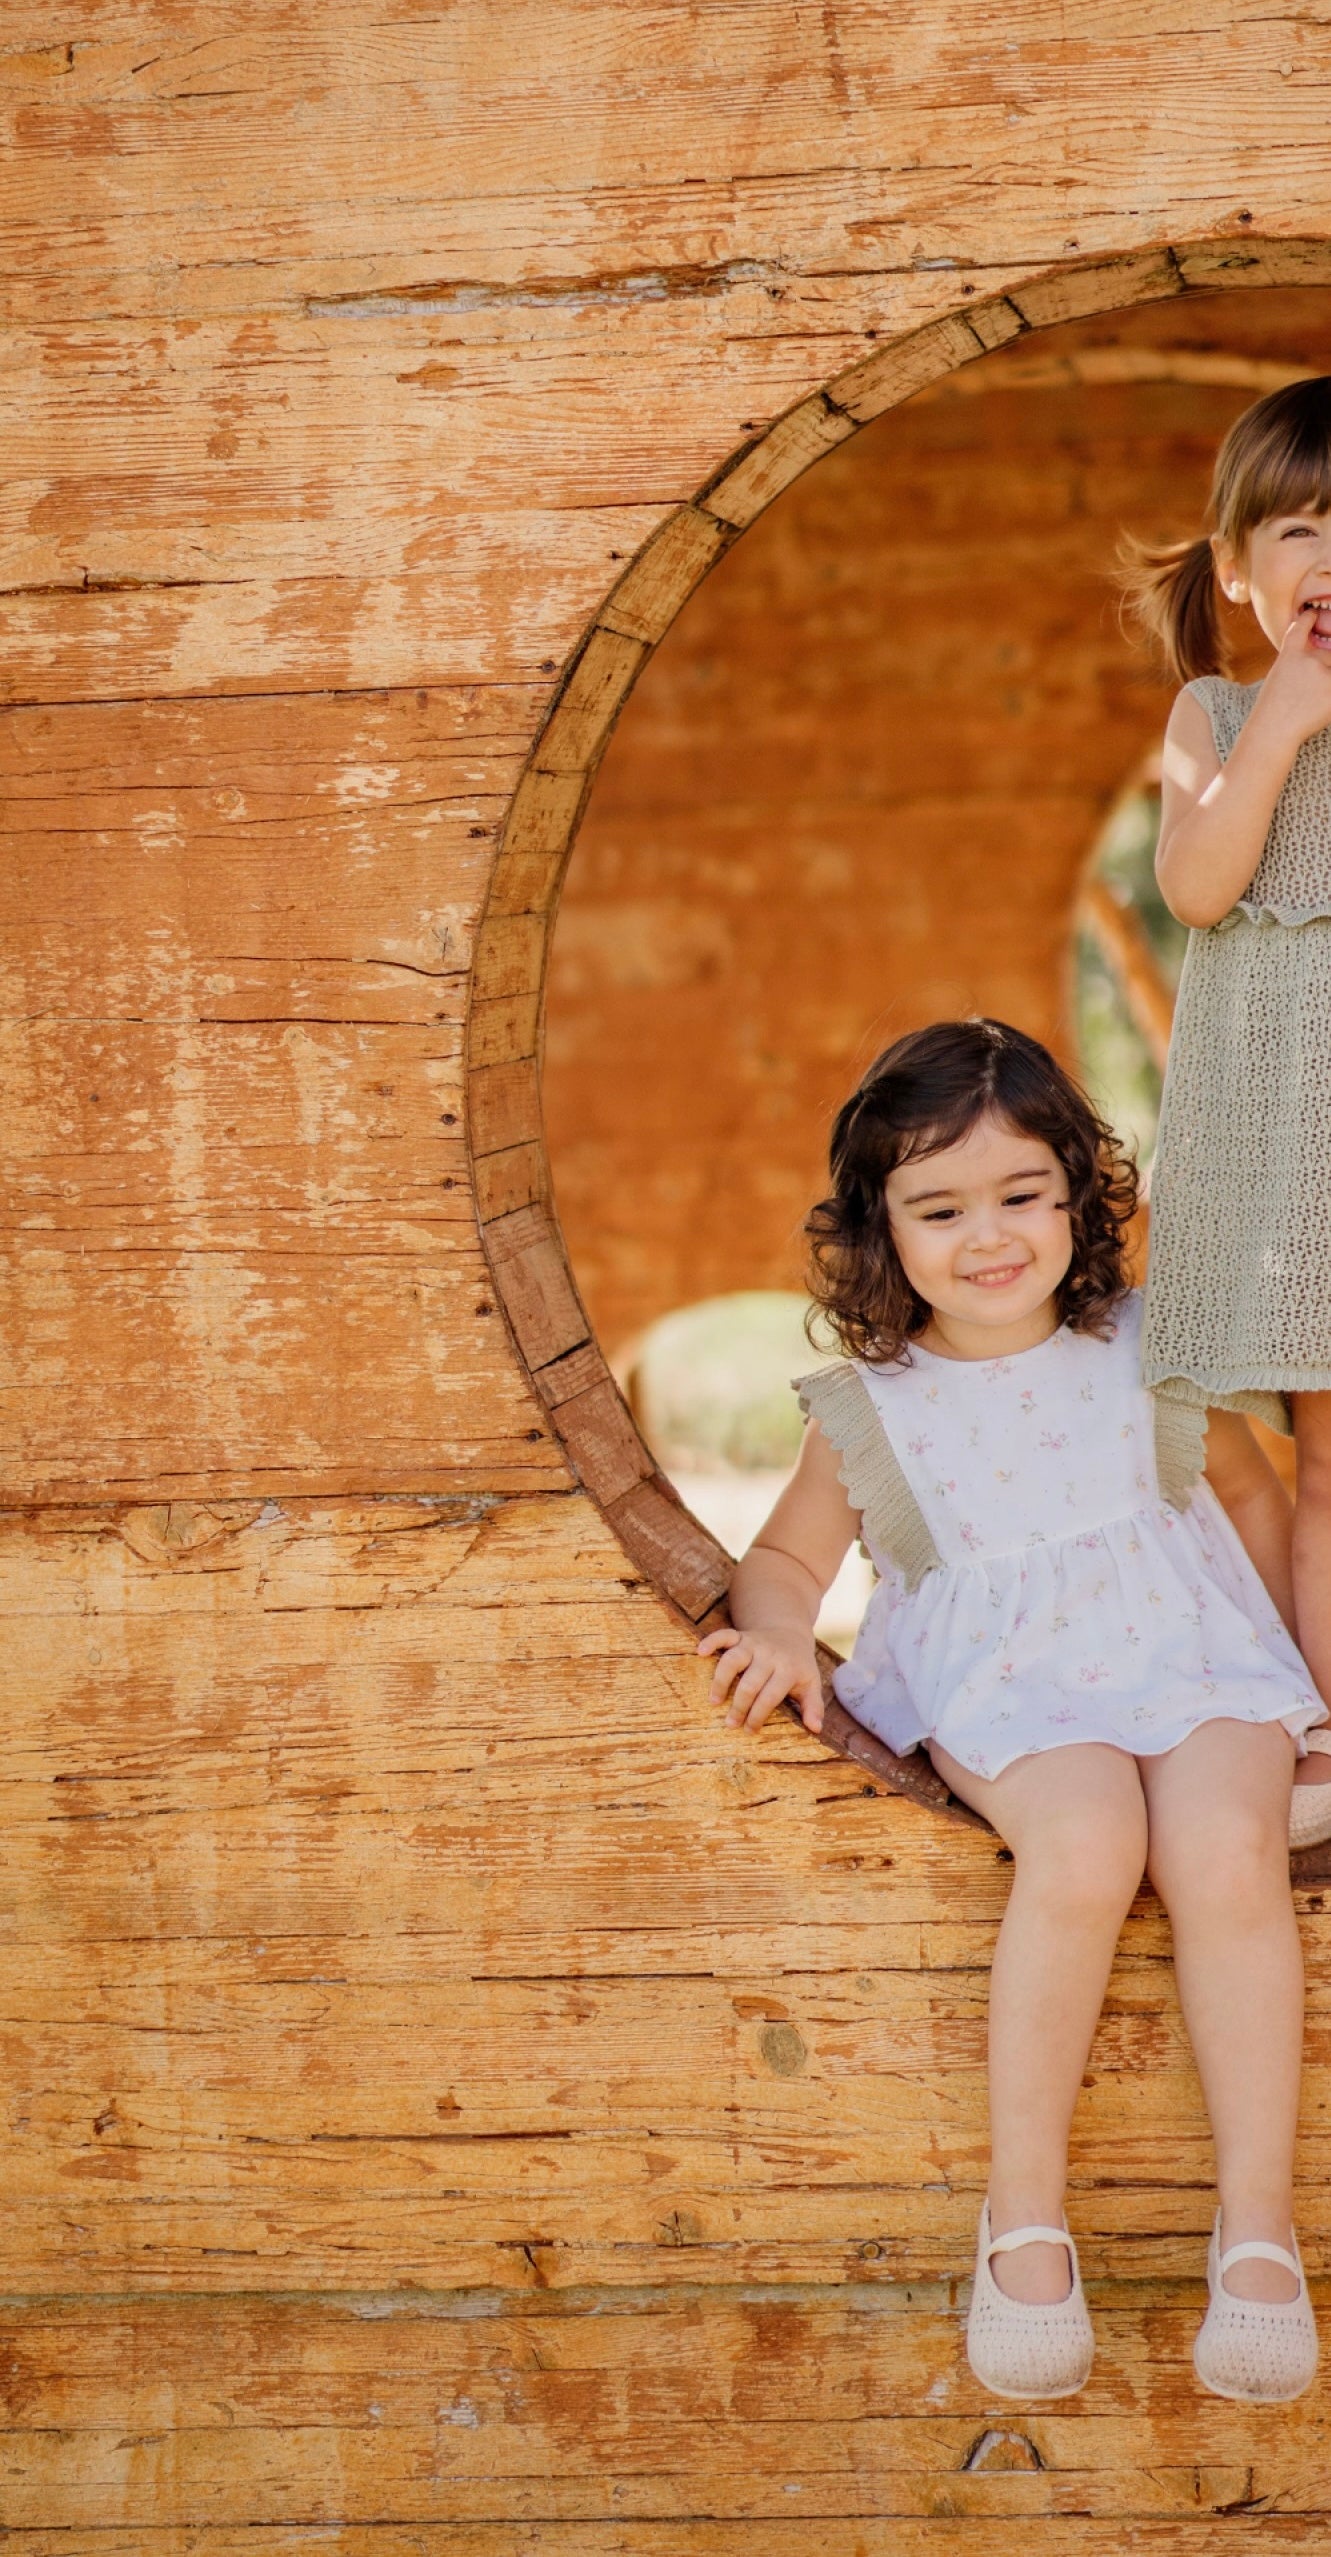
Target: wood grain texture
x=236, y=945
x=645, y=2423
x=321, y=1975
x=385, y=1918
x=707, y=2537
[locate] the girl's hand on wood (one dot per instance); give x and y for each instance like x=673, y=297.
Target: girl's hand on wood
x=758, y=1674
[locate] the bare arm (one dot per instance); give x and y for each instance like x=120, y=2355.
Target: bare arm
x=1247, y=1485
x=767, y=1651
x=1214, y=818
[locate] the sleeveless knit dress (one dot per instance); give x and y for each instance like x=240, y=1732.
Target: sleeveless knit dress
x=1239, y=1292
x=1051, y=1566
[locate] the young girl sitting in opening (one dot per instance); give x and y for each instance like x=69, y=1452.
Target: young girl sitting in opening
x=1084, y=1633
x=1239, y=1298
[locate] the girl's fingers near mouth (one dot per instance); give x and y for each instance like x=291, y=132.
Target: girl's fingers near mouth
x=1312, y=622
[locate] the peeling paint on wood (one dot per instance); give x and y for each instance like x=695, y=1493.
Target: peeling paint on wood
x=385, y=1917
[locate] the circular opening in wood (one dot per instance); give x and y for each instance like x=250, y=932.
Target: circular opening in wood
x=1065, y=334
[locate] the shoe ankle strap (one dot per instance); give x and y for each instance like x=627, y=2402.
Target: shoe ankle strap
x=1032, y=2237
x=1257, y=2250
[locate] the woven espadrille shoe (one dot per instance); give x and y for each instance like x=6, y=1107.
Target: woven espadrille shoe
x=1264, y=2351
x=1310, y=1805
x=1016, y=2350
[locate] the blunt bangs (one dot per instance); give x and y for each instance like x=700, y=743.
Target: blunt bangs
x=1276, y=460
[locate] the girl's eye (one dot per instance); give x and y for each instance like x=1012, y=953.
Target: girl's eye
x=1297, y=533
x=939, y=1215
x=1020, y=1198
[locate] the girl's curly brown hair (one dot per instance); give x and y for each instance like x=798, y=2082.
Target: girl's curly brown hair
x=922, y=1095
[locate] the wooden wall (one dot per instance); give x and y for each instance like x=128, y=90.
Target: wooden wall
x=456, y=2099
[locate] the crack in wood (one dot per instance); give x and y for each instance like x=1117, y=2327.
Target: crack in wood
x=87, y=584
x=689, y=282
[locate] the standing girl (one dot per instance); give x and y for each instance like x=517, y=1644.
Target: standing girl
x=1239, y=1299
x=1079, y=1629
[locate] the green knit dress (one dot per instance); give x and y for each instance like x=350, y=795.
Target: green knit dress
x=1238, y=1306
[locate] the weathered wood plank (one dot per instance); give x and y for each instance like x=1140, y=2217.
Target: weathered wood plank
x=379, y=1408
x=505, y=1031
x=382, y=1902
x=516, y=1178
x=597, y=1432
x=309, y=584
x=236, y=942
x=254, y=632
x=781, y=2079
x=178, y=861
x=762, y=136
x=540, y=822
x=881, y=380
x=679, y=2537
x=216, y=2147
x=786, y=451
x=678, y=555
x=300, y=2414
x=509, y=957
x=758, y=97
x=589, y=703
x=1115, y=284
x=341, y=2475
x=682, y=1558
x=505, y=1105
x=539, y=1297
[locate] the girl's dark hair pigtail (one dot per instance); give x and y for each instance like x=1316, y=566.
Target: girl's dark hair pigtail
x=1275, y=460
x=1170, y=588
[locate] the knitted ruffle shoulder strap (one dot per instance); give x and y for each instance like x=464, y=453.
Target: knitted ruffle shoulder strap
x=1180, y=1445
x=839, y=1400
x=894, y=1523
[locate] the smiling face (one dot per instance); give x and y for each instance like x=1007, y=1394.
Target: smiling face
x=983, y=1235
x=1283, y=571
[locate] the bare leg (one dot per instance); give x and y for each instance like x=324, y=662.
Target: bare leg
x=1218, y=1810
x=1312, y=1536
x=1075, y=1820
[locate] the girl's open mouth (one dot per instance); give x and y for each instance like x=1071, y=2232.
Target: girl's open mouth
x=995, y=1278
x=1320, y=608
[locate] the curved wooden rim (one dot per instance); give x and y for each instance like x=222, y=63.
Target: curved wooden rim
x=511, y=1179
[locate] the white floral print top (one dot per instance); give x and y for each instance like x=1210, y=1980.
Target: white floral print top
x=1068, y=1601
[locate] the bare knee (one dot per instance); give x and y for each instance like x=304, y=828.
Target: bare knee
x=1225, y=1864
x=1086, y=1865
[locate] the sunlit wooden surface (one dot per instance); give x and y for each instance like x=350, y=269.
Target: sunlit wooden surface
x=456, y=2099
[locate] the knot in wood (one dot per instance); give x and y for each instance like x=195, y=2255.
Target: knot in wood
x=172, y=1531
x=784, y=2049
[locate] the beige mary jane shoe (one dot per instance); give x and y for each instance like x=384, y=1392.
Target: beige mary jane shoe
x=1024, y=2351
x=1264, y=2351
